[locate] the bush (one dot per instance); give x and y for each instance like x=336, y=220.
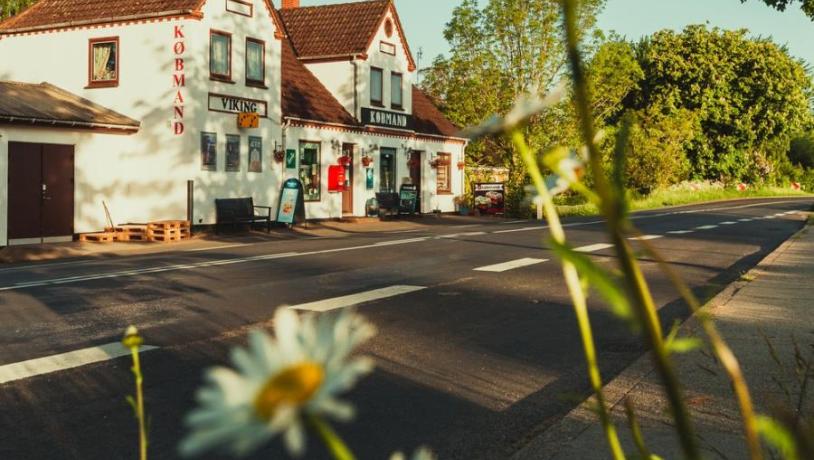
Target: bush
x=801, y=152
x=656, y=155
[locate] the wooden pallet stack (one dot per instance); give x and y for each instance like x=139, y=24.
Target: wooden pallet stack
x=167, y=231
x=131, y=232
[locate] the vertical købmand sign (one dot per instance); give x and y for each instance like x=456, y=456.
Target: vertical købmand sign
x=178, y=79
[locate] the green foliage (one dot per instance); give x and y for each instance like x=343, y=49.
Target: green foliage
x=801, y=151
x=806, y=5
x=500, y=50
x=747, y=93
x=613, y=73
x=655, y=152
x=11, y=7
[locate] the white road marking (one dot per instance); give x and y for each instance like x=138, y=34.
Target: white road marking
x=524, y=229
x=594, y=247
x=706, y=227
x=681, y=232
x=63, y=361
x=511, y=265
x=769, y=217
x=745, y=220
x=398, y=242
x=516, y=221
x=646, y=237
x=729, y=222
x=458, y=235
x=214, y=248
x=356, y=299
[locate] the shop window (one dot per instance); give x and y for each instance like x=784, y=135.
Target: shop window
x=443, y=175
x=255, y=154
x=220, y=55
x=209, y=151
x=396, y=90
x=255, y=62
x=103, y=69
x=387, y=170
x=310, y=173
x=232, y=153
x=376, y=86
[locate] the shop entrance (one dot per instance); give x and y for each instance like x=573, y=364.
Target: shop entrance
x=347, y=195
x=415, y=175
x=40, y=193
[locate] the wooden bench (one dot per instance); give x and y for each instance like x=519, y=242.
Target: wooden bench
x=389, y=204
x=240, y=211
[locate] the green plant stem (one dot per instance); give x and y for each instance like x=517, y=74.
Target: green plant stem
x=636, y=430
x=142, y=432
x=576, y=292
x=612, y=207
x=333, y=442
x=722, y=351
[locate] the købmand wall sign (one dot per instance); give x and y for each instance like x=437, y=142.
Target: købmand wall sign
x=234, y=104
x=386, y=119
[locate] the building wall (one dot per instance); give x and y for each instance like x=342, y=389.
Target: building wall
x=330, y=205
x=338, y=76
x=143, y=176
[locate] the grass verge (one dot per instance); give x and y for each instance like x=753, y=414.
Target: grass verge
x=664, y=198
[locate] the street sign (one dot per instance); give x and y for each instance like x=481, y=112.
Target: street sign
x=292, y=203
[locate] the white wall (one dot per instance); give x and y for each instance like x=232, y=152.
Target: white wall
x=330, y=205
x=338, y=77
x=143, y=176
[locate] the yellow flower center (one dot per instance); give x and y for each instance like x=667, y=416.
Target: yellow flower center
x=292, y=386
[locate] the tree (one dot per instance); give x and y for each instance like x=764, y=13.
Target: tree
x=806, y=5
x=10, y=8
x=801, y=151
x=498, y=52
x=749, y=96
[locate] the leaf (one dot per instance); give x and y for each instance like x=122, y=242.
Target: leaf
x=675, y=345
x=684, y=345
x=598, y=278
x=132, y=403
x=777, y=436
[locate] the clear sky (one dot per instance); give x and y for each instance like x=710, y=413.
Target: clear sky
x=424, y=21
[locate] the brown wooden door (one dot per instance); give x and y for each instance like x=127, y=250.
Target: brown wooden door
x=24, y=190
x=415, y=176
x=41, y=190
x=57, y=190
x=347, y=195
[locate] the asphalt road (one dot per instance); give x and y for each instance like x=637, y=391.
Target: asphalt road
x=473, y=364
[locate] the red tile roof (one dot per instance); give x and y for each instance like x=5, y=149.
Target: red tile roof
x=47, y=105
x=430, y=120
x=66, y=13
x=338, y=30
x=304, y=97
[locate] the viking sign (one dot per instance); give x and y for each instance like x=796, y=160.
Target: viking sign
x=385, y=119
x=234, y=104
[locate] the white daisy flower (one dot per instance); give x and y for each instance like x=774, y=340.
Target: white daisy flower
x=524, y=108
x=276, y=383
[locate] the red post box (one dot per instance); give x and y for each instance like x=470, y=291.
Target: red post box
x=336, y=179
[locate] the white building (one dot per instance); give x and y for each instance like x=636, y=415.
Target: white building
x=331, y=85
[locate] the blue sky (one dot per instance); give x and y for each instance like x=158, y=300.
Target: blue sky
x=424, y=21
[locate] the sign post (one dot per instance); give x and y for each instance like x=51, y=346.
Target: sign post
x=292, y=203
x=490, y=197
x=408, y=198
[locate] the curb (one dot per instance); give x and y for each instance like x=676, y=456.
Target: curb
x=559, y=436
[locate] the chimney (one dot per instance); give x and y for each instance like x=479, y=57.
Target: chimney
x=291, y=4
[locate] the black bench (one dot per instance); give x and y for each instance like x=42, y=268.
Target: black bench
x=389, y=204
x=240, y=211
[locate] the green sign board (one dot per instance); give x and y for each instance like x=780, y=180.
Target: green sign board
x=408, y=198
x=290, y=159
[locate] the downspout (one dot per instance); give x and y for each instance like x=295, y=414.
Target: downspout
x=355, y=89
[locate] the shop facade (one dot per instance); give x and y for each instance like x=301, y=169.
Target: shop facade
x=186, y=73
